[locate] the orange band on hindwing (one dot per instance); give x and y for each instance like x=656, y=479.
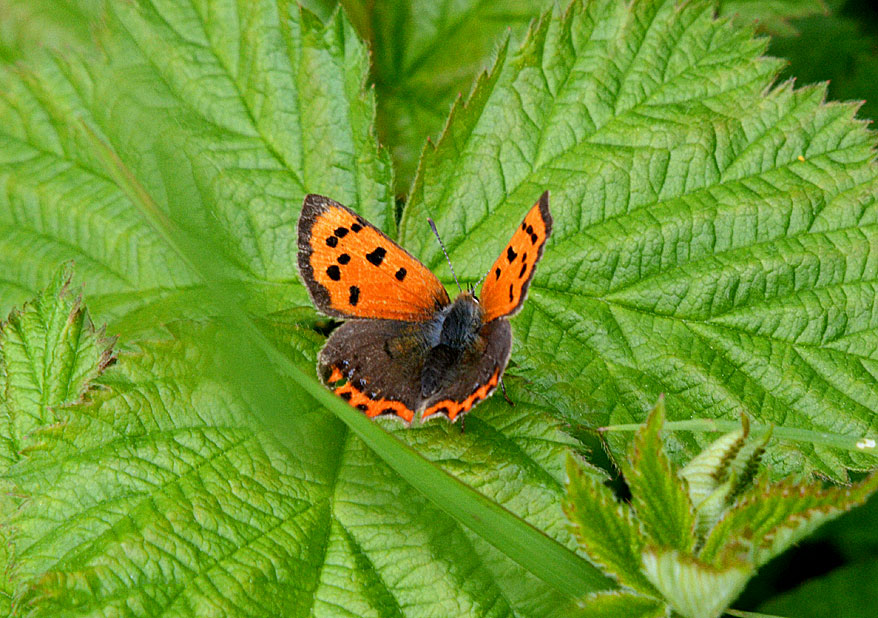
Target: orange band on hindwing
x=452, y=409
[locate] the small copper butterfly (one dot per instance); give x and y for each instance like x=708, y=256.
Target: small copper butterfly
x=406, y=348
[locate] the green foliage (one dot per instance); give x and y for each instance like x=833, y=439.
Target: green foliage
x=425, y=56
x=237, y=126
x=657, y=496
x=772, y=16
x=839, y=49
x=711, y=231
x=50, y=354
x=714, y=241
x=695, y=569
x=150, y=492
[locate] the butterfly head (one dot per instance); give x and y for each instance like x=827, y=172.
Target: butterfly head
x=462, y=321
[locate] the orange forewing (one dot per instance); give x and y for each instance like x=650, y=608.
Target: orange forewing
x=353, y=270
x=506, y=284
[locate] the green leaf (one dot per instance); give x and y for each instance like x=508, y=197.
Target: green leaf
x=223, y=117
x=156, y=495
x=50, y=353
x=739, y=525
x=714, y=235
x=249, y=348
x=847, y=592
x=425, y=55
x=200, y=150
x=659, y=496
x=617, y=604
x=718, y=474
x=695, y=589
x=771, y=518
x=28, y=25
x=606, y=529
x=710, y=468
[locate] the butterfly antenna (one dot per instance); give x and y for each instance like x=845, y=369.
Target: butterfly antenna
x=479, y=282
x=441, y=244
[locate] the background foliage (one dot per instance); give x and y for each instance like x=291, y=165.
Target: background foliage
x=715, y=241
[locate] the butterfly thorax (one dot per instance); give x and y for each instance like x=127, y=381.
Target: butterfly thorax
x=459, y=326
x=461, y=322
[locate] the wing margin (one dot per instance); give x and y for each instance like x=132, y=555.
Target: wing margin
x=505, y=288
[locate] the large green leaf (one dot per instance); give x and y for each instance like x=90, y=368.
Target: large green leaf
x=715, y=237
x=154, y=497
x=171, y=194
x=228, y=119
x=49, y=354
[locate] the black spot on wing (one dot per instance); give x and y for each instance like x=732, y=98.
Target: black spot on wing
x=523, y=270
x=497, y=273
x=354, y=297
x=362, y=407
x=344, y=258
x=511, y=293
x=511, y=254
x=377, y=256
x=333, y=272
x=533, y=239
x=346, y=396
x=529, y=229
x=400, y=274
x=356, y=227
x=341, y=232
x=332, y=241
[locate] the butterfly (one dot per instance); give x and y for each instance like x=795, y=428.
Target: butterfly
x=405, y=347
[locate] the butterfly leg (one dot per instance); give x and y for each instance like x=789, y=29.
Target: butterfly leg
x=505, y=396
